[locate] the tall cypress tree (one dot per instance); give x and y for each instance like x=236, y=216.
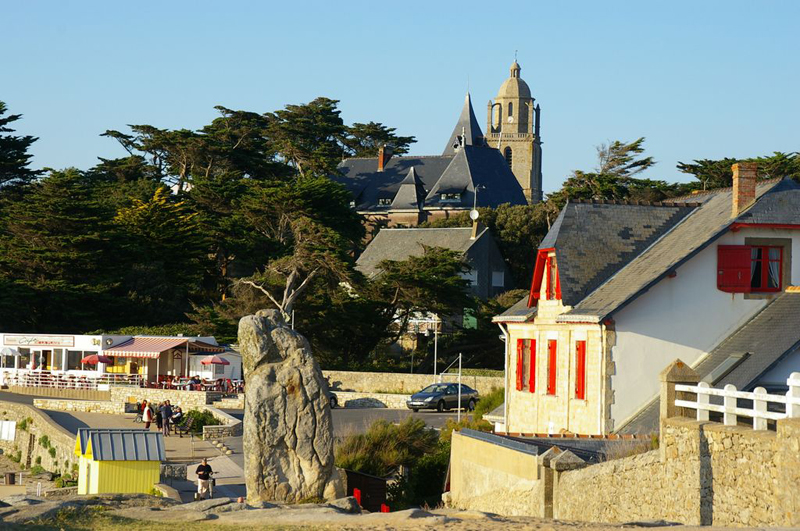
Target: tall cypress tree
x=14, y=156
x=56, y=246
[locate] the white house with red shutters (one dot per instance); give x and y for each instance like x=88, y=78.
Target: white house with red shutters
x=620, y=290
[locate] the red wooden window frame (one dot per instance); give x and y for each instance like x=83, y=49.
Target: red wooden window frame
x=520, y=349
x=532, y=365
x=580, y=370
x=734, y=263
x=552, y=351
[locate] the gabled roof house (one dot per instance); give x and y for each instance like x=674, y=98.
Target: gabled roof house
x=620, y=290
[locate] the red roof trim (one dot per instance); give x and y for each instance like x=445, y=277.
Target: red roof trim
x=737, y=226
x=538, y=273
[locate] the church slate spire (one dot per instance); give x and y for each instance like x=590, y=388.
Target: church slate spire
x=468, y=126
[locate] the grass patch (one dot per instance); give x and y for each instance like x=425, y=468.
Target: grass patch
x=489, y=402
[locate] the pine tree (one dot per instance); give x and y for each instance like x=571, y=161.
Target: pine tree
x=14, y=156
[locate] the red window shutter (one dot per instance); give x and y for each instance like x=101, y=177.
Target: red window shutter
x=552, y=348
x=520, y=348
x=733, y=268
x=532, y=366
x=558, y=284
x=580, y=370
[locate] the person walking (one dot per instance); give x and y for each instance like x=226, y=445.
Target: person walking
x=147, y=416
x=159, y=416
x=203, y=479
x=166, y=417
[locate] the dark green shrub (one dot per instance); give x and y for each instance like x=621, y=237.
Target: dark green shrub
x=37, y=469
x=489, y=402
x=44, y=441
x=39, y=460
x=52, y=452
x=200, y=419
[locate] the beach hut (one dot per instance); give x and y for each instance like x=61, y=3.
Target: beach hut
x=118, y=460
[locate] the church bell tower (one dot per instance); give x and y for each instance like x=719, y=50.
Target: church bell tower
x=513, y=128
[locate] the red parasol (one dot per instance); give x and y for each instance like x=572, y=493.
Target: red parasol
x=94, y=359
x=214, y=360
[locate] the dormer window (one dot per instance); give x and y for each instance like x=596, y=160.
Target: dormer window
x=451, y=198
x=385, y=201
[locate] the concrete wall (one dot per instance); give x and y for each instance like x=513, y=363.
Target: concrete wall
x=28, y=442
x=491, y=478
x=373, y=382
x=186, y=399
x=371, y=400
x=682, y=317
x=704, y=473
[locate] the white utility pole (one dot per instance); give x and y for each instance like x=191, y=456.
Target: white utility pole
x=459, y=388
x=435, y=346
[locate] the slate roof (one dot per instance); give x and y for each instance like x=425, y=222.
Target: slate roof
x=518, y=313
x=468, y=126
x=473, y=167
x=769, y=336
x=779, y=206
x=122, y=444
x=694, y=233
x=399, y=244
x=368, y=185
x=594, y=239
x=411, y=194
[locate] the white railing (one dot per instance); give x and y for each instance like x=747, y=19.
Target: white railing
x=760, y=412
x=92, y=382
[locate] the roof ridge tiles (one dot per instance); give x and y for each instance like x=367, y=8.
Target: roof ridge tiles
x=664, y=203
x=697, y=193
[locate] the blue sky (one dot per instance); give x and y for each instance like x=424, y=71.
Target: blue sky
x=699, y=79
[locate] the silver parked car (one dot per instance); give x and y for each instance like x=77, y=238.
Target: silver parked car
x=443, y=396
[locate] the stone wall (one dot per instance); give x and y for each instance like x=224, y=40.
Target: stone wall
x=704, y=473
x=56, y=452
x=186, y=399
x=83, y=406
x=370, y=400
x=230, y=427
x=75, y=394
x=375, y=382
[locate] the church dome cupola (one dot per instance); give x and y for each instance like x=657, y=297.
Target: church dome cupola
x=514, y=87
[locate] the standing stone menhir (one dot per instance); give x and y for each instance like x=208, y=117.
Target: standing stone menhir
x=288, y=433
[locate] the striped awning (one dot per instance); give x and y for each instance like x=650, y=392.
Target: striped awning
x=145, y=347
x=199, y=346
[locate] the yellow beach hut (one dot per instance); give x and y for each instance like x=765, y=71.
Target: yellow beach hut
x=118, y=460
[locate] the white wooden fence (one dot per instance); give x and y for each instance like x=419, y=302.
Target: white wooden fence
x=729, y=408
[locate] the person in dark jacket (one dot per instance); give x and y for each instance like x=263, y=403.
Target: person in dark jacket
x=159, y=418
x=166, y=417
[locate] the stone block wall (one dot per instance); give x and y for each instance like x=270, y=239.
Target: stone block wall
x=230, y=427
x=375, y=382
x=57, y=456
x=186, y=399
x=371, y=400
x=83, y=406
x=704, y=473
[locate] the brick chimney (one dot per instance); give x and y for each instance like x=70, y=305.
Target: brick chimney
x=384, y=154
x=744, y=186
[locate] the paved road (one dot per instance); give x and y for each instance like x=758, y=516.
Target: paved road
x=356, y=420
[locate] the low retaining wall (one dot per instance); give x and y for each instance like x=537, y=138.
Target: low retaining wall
x=374, y=382
x=230, y=403
x=230, y=427
x=56, y=451
x=371, y=400
x=487, y=476
x=83, y=406
x=186, y=399
x=75, y=394
x=704, y=474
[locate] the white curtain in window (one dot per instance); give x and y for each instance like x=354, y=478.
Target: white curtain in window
x=774, y=268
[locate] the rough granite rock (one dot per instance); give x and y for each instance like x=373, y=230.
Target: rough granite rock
x=288, y=433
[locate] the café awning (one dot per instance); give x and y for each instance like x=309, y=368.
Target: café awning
x=152, y=347
x=145, y=347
